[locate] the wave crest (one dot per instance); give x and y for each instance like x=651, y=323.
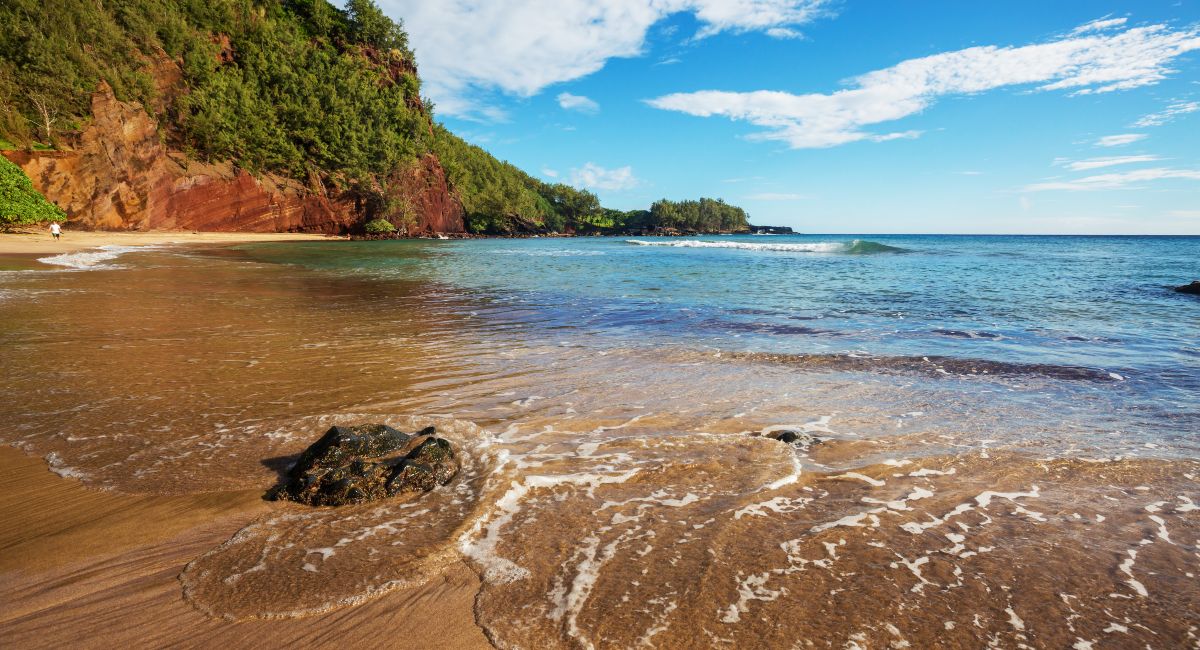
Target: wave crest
x=92, y=259
x=853, y=247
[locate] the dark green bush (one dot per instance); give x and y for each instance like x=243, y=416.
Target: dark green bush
x=20, y=204
x=379, y=227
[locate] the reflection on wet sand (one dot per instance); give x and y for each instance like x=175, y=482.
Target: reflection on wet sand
x=611, y=496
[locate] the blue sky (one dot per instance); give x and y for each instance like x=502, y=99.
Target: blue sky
x=838, y=115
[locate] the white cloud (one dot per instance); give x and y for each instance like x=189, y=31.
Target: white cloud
x=467, y=49
x=1098, y=25
x=1116, y=181
x=1186, y=214
x=1109, y=161
x=776, y=196
x=594, y=176
x=579, y=103
x=1118, y=140
x=549, y=173
x=1167, y=114
x=783, y=33
x=969, y=173
x=1084, y=64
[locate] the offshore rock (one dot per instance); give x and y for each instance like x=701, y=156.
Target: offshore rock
x=367, y=462
x=1193, y=288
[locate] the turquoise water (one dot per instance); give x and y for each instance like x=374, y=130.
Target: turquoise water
x=1064, y=332
x=1097, y=303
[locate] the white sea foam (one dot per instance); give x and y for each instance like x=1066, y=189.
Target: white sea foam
x=780, y=505
x=815, y=247
x=568, y=252
x=861, y=477
x=482, y=539
x=62, y=469
x=1126, y=567
x=93, y=259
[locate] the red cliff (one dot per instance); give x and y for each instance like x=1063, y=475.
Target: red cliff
x=120, y=176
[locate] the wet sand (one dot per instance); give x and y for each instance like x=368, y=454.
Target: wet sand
x=40, y=242
x=610, y=497
x=90, y=569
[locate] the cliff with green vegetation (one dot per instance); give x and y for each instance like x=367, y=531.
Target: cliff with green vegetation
x=260, y=115
x=20, y=204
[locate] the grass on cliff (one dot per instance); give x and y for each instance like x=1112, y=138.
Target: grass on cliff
x=20, y=204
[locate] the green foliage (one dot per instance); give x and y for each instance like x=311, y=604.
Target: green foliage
x=309, y=87
x=298, y=87
x=500, y=198
x=497, y=197
x=19, y=202
x=705, y=215
x=379, y=227
x=368, y=25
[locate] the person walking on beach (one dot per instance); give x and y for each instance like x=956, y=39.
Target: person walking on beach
x=55, y=230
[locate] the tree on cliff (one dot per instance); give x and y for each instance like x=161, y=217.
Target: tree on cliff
x=301, y=88
x=20, y=204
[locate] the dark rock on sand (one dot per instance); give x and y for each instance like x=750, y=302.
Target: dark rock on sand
x=795, y=438
x=1193, y=288
x=367, y=462
x=429, y=465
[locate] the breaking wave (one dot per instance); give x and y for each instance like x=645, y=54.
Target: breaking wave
x=853, y=247
x=92, y=259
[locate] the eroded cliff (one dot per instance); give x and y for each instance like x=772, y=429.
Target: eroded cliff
x=120, y=176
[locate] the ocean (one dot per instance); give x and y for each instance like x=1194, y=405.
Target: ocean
x=997, y=437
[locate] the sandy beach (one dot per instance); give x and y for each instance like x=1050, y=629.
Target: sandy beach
x=74, y=560
x=617, y=488
x=40, y=242
x=93, y=569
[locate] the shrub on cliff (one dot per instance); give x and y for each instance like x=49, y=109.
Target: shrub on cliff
x=379, y=227
x=20, y=204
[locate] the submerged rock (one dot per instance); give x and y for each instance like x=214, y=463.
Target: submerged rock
x=1193, y=288
x=366, y=462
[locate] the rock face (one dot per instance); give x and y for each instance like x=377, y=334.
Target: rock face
x=367, y=462
x=120, y=176
x=426, y=189
x=1193, y=288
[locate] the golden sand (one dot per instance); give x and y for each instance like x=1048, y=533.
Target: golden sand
x=91, y=569
x=41, y=243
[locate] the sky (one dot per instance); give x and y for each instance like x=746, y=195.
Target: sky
x=837, y=116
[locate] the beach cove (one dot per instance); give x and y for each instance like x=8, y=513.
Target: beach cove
x=963, y=468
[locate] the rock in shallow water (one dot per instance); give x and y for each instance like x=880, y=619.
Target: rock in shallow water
x=1193, y=288
x=367, y=462
x=798, y=439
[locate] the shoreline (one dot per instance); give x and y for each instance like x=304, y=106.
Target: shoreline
x=183, y=383
x=23, y=244
x=40, y=243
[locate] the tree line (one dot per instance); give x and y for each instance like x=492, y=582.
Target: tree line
x=297, y=87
